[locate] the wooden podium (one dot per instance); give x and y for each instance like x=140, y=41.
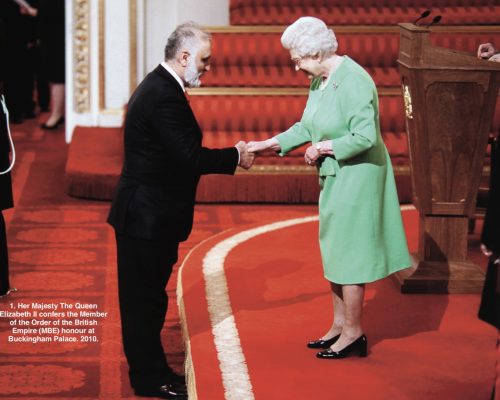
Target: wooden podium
x=449, y=101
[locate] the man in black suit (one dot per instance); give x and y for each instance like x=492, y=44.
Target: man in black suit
x=153, y=205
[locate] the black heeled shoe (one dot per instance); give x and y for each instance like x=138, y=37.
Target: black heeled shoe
x=360, y=345
x=52, y=127
x=9, y=291
x=322, y=344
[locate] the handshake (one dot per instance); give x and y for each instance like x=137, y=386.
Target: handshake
x=249, y=150
x=247, y=157
x=312, y=155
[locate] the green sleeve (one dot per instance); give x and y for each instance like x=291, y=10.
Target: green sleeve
x=292, y=138
x=359, y=110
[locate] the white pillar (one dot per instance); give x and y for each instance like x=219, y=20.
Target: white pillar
x=164, y=15
x=113, y=44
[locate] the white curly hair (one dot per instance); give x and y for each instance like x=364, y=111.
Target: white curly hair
x=309, y=36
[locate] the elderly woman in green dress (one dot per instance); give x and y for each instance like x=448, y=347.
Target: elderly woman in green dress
x=360, y=232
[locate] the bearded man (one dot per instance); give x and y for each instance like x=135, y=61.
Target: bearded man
x=153, y=205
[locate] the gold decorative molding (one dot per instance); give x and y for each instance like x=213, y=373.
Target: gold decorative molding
x=355, y=29
x=270, y=91
x=247, y=91
x=81, y=55
x=278, y=169
x=302, y=169
x=133, y=44
x=407, y=101
x=112, y=111
x=102, y=55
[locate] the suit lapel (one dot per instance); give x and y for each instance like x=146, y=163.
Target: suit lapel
x=166, y=75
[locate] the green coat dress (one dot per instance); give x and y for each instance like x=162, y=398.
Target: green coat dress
x=361, y=233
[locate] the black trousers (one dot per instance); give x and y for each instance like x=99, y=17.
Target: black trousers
x=4, y=258
x=144, y=267
x=489, y=309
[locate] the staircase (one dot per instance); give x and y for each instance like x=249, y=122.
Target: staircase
x=253, y=91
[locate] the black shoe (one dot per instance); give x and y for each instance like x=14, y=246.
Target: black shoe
x=360, y=345
x=52, y=127
x=322, y=344
x=174, y=378
x=170, y=391
x=9, y=291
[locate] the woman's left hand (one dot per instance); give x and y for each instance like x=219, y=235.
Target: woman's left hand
x=312, y=155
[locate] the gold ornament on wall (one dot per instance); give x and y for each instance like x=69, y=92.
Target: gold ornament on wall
x=81, y=55
x=407, y=100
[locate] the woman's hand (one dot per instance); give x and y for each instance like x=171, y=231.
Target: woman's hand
x=264, y=145
x=312, y=155
x=317, y=150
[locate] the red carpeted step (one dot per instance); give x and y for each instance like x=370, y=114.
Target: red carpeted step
x=94, y=162
x=95, y=155
x=257, y=59
x=273, y=114
x=371, y=12
x=275, y=179
x=282, y=76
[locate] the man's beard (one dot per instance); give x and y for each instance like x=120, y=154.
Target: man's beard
x=192, y=75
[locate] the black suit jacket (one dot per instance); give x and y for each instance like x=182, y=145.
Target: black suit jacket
x=164, y=160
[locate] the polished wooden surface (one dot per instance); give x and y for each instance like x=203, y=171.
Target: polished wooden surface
x=449, y=104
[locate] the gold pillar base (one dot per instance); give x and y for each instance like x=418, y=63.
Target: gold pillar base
x=442, y=277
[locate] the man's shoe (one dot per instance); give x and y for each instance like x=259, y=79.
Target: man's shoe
x=9, y=291
x=170, y=391
x=178, y=379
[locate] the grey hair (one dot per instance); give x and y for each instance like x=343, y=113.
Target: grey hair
x=188, y=35
x=309, y=36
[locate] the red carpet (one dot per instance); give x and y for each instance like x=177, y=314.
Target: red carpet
x=420, y=346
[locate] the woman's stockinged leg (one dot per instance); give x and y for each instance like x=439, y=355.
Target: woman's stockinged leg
x=338, y=312
x=353, y=297
x=57, y=94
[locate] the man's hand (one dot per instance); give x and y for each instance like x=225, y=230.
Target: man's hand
x=487, y=252
x=495, y=258
x=486, y=50
x=246, y=158
x=26, y=9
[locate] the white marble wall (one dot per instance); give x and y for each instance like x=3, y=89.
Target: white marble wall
x=155, y=19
